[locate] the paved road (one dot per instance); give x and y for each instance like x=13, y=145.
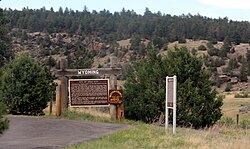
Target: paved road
x=26, y=132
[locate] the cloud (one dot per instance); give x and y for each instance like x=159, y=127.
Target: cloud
x=229, y=4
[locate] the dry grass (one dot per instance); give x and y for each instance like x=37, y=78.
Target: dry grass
x=145, y=136
x=231, y=107
x=150, y=136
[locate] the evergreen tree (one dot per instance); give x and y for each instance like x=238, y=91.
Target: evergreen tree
x=248, y=61
x=5, y=42
x=144, y=98
x=197, y=104
x=82, y=58
x=51, y=62
x=243, y=72
x=5, y=55
x=25, y=87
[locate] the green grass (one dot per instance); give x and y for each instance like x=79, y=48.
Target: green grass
x=76, y=115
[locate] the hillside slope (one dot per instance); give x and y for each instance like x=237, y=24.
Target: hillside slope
x=42, y=46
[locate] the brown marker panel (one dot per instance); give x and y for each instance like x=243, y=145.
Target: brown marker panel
x=88, y=92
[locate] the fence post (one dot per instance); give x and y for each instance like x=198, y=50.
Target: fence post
x=237, y=119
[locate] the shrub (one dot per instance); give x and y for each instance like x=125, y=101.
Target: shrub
x=242, y=95
x=4, y=122
x=202, y=48
x=245, y=124
x=26, y=87
x=213, y=52
x=228, y=87
x=182, y=39
x=226, y=121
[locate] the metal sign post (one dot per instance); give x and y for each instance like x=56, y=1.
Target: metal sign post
x=171, y=88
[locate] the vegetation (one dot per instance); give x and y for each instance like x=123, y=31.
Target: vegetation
x=151, y=136
x=126, y=23
x=242, y=95
x=228, y=87
x=4, y=122
x=225, y=134
x=82, y=58
x=25, y=86
x=198, y=105
x=5, y=55
x=74, y=115
x=5, y=41
x=144, y=98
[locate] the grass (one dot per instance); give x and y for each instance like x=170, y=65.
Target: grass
x=232, y=105
x=153, y=137
x=225, y=134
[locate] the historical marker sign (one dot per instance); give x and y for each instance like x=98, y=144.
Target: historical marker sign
x=170, y=94
x=88, y=92
x=171, y=89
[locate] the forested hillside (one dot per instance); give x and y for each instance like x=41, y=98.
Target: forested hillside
x=127, y=23
x=88, y=39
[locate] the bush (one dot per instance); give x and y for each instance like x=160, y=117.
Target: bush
x=226, y=121
x=213, y=52
x=4, y=122
x=228, y=87
x=26, y=87
x=202, y=48
x=242, y=95
x=245, y=124
x=51, y=62
x=182, y=40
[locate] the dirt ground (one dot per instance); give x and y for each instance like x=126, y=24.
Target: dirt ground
x=27, y=132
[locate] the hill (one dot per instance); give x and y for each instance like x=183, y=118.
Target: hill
x=83, y=36
x=225, y=68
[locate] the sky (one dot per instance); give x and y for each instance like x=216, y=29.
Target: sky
x=237, y=10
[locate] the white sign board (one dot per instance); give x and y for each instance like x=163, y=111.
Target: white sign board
x=171, y=88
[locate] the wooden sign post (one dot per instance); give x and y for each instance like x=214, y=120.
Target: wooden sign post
x=171, y=89
x=58, y=100
x=65, y=73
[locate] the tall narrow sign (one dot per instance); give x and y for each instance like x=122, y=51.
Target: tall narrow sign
x=171, y=88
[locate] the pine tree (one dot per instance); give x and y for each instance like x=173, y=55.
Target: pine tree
x=25, y=87
x=243, y=72
x=144, y=89
x=5, y=42
x=197, y=104
x=82, y=58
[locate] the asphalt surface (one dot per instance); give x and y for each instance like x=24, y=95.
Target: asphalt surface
x=42, y=133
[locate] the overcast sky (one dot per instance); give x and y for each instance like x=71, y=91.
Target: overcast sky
x=233, y=9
